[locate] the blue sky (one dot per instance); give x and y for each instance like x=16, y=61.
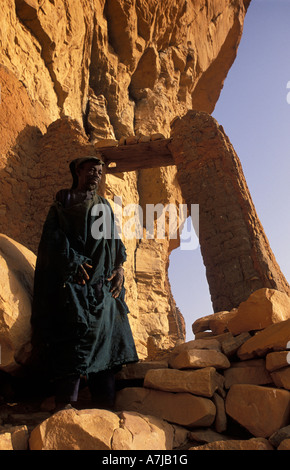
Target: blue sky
x=255, y=114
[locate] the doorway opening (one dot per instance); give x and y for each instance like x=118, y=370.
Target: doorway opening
x=188, y=281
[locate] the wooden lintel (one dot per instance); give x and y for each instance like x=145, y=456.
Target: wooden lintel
x=138, y=156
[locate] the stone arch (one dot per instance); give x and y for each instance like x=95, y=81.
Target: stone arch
x=235, y=250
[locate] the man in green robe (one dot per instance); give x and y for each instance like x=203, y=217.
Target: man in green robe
x=79, y=314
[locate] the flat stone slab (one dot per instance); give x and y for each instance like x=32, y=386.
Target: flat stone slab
x=273, y=338
x=184, y=409
x=202, y=382
x=198, y=358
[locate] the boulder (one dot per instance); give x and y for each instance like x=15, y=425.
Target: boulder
x=17, y=265
x=183, y=409
x=75, y=430
x=273, y=338
x=96, y=429
x=261, y=410
x=263, y=308
x=202, y=382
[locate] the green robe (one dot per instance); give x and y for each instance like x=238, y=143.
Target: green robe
x=79, y=329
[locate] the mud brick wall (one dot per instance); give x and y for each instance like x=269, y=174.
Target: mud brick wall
x=235, y=249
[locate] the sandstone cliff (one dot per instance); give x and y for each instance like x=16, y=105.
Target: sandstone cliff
x=77, y=75
x=74, y=72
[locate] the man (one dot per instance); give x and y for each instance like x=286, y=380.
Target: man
x=79, y=315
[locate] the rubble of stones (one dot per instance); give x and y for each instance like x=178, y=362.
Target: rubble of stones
x=228, y=389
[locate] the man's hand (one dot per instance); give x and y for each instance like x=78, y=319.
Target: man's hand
x=82, y=275
x=117, y=277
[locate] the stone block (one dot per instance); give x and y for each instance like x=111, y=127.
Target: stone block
x=203, y=382
x=183, y=409
x=198, y=358
x=261, y=410
x=247, y=372
x=273, y=338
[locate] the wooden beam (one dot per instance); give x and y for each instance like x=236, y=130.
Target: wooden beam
x=138, y=156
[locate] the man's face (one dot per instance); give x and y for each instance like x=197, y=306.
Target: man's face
x=89, y=176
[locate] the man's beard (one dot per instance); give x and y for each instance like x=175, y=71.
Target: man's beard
x=93, y=186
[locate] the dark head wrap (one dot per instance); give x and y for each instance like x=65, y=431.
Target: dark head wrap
x=79, y=161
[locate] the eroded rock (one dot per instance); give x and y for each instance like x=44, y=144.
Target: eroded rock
x=17, y=265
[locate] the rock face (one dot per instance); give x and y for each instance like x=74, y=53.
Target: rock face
x=82, y=75
x=74, y=73
x=150, y=61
